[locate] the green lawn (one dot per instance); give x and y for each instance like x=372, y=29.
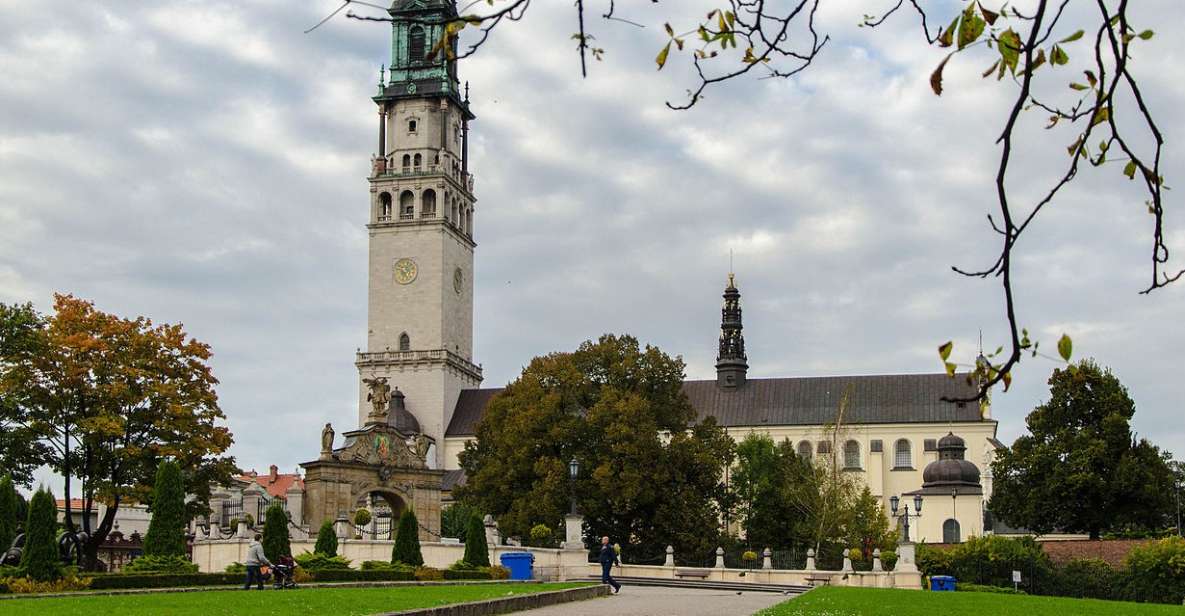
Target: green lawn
x=830, y=601
x=335, y=601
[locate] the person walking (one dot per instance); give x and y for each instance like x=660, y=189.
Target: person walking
x=607, y=559
x=255, y=559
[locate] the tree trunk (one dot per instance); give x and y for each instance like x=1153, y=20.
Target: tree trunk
x=91, y=548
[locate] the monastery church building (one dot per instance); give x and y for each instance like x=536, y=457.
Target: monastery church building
x=900, y=437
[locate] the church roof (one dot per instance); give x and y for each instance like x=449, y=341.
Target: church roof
x=797, y=401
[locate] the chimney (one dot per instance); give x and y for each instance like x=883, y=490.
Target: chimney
x=273, y=473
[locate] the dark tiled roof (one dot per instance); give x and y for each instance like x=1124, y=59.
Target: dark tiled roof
x=878, y=399
x=470, y=407
x=452, y=479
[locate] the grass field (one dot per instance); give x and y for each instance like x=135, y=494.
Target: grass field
x=830, y=601
x=308, y=601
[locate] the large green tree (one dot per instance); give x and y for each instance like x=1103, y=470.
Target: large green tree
x=166, y=530
x=110, y=398
x=21, y=335
x=1080, y=468
x=650, y=475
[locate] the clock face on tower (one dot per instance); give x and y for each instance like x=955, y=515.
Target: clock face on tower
x=405, y=271
x=458, y=280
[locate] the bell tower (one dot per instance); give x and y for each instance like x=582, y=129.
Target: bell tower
x=420, y=278
x=731, y=362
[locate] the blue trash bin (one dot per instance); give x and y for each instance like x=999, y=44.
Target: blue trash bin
x=942, y=582
x=519, y=564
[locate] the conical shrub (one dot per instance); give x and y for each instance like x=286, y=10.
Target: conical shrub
x=407, y=541
x=275, y=533
x=477, y=551
x=8, y=521
x=40, y=556
x=166, y=530
x=326, y=540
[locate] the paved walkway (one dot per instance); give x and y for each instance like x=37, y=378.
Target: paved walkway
x=658, y=601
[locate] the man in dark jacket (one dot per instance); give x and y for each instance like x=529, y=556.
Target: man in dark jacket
x=607, y=559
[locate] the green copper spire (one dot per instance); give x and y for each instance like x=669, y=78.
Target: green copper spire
x=416, y=27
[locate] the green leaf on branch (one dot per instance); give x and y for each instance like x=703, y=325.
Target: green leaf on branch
x=1102, y=114
x=945, y=349
x=1073, y=37
x=1147, y=34
x=1010, y=49
x=950, y=369
x=990, y=16
x=661, y=60
x=1059, y=56
x=1130, y=170
x=971, y=26
x=948, y=36
x=1065, y=347
x=1078, y=86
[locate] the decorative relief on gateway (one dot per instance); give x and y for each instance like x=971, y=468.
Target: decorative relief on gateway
x=385, y=450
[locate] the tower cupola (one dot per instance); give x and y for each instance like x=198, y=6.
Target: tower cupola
x=731, y=362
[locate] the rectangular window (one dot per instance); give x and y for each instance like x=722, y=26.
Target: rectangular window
x=877, y=445
x=931, y=444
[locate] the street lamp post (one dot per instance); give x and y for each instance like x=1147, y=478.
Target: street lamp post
x=573, y=473
x=894, y=501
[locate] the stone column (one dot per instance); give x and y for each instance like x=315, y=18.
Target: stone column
x=847, y=561
x=810, y=559
x=341, y=527
x=573, y=532
x=295, y=498
x=906, y=558
x=767, y=561
x=670, y=562
x=719, y=558
x=493, y=539
x=876, y=560
x=251, y=498
x=242, y=532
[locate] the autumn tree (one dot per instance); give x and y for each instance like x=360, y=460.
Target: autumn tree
x=1080, y=468
x=111, y=397
x=1034, y=50
x=650, y=475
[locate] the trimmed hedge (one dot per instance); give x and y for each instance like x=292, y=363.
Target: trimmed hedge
x=118, y=581
x=354, y=575
x=467, y=574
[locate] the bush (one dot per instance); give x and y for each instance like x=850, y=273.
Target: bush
x=990, y=561
x=477, y=551
x=161, y=564
x=382, y=565
x=498, y=572
x=64, y=584
x=1155, y=572
x=362, y=517
x=467, y=574
x=454, y=520
x=1090, y=578
x=374, y=575
x=275, y=533
x=239, y=568
x=429, y=574
x=117, y=581
x=541, y=536
x=888, y=560
x=407, y=541
x=40, y=556
x=166, y=529
x=326, y=540
x=313, y=561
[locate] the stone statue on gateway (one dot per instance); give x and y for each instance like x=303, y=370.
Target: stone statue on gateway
x=379, y=396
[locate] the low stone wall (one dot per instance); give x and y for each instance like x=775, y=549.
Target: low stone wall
x=213, y=556
x=506, y=605
x=558, y=565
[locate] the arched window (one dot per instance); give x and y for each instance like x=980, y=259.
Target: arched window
x=428, y=204
x=950, y=531
x=407, y=205
x=804, y=450
x=385, y=206
x=902, y=456
x=404, y=342
x=411, y=126
x=406, y=161
x=418, y=160
x=454, y=217
x=436, y=158
x=851, y=454
x=415, y=45
x=469, y=222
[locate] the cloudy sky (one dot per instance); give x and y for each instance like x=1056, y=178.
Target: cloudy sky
x=205, y=163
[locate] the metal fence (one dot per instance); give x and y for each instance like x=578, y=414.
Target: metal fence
x=232, y=511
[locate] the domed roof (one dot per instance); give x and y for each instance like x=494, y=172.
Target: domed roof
x=950, y=469
x=399, y=417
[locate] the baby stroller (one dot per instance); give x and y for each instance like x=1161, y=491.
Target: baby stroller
x=284, y=573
